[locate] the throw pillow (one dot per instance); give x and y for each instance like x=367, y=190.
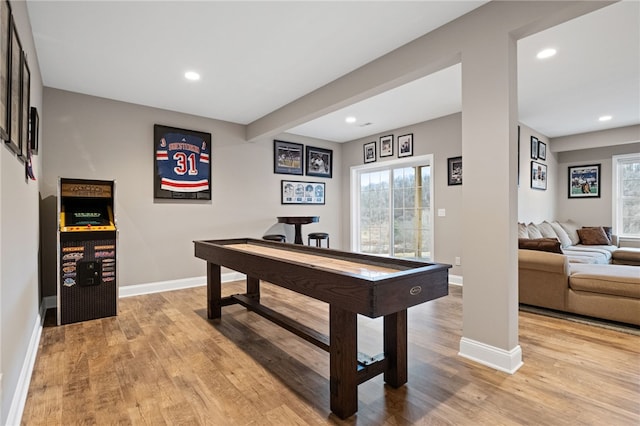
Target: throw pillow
x=565, y=241
x=593, y=236
x=546, y=230
x=551, y=245
x=572, y=231
x=607, y=230
x=522, y=230
x=533, y=231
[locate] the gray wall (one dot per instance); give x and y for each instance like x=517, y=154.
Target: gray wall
x=95, y=138
x=19, y=295
x=442, y=138
x=535, y=205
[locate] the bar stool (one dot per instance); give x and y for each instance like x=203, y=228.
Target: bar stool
x=275, y=237
x=318, y=237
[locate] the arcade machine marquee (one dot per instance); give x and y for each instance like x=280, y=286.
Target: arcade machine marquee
x=87, y=239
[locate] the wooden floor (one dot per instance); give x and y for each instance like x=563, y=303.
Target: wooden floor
x=160, y=361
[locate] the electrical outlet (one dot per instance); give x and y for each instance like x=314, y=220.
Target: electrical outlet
x=457, y=261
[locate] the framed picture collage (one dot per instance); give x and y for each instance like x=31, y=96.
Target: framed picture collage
x=292, y=158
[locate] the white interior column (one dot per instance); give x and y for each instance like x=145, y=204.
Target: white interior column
x=489, y=197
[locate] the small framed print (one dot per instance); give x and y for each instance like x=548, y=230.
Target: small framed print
x=584, y=181
x=538, y=175
x=534, y=148
x=5, y=26
x=295, y=192
x=319, y=162
x=405, y=145
x=454, y=170
x=288, y=158
x=542, y=150
x=25, y=96
x=386, y=146
x=34, y=126
x=370, y=152
x=14, y=101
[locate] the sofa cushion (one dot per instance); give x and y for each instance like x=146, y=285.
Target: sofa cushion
x=593, y=236
x=626, y=256
x=565, y=241
x=571, y=229
x=615, y=280
x=551, y=245
x=533, y=231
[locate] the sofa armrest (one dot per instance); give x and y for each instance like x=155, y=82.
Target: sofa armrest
x=543, y=279
x=543, y=261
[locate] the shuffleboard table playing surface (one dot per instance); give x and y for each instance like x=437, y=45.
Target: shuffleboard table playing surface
x=351, y=283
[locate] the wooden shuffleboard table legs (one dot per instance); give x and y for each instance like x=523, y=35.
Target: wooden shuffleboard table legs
x=214, y=291
x=395, y=348
x=346, y=368
x=343, y=361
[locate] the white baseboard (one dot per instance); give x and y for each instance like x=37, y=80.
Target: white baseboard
x=499, y=359
x=140, y=289
x=22, y=387
x=455, y=279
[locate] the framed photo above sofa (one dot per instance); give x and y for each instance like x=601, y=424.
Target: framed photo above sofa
x=538, y=175
x=584, y=181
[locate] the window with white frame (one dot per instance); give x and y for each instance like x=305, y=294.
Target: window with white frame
x=626, y=195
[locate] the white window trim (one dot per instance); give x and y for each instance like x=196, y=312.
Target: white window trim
x=616, y=221
x=384, y=165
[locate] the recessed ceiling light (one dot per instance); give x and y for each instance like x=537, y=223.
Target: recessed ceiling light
x=605, y=118
x=192, y=75
x=350, y=119
x=546, y=53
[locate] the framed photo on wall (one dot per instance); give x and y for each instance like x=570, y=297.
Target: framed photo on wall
x=369, y=152
x=319, y=162
x=5, y=25
x=15, y=89
x=542, y=150
x=25, y=97
x=296, y=192
x=182, y=163
x=288, y=158
x=34, y=128
x=538, y=175
x=534, y=148
x=386, y=146
x=454, y=171
x=405, y=145
x=584, y=181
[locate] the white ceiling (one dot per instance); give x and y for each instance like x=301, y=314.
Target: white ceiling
x=255, y=57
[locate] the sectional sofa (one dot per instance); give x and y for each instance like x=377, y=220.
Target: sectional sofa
x=571, y=272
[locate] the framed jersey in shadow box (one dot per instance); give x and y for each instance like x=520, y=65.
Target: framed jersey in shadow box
x=182, y=163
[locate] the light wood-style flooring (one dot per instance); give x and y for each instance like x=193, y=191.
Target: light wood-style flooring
x=160, y=361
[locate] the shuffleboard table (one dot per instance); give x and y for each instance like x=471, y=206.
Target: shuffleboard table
x=351, y=283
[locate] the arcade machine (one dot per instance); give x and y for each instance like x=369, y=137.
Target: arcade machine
x=87, y=239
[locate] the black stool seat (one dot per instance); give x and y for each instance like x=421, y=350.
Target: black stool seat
x=275, y=237
x=318, y=237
